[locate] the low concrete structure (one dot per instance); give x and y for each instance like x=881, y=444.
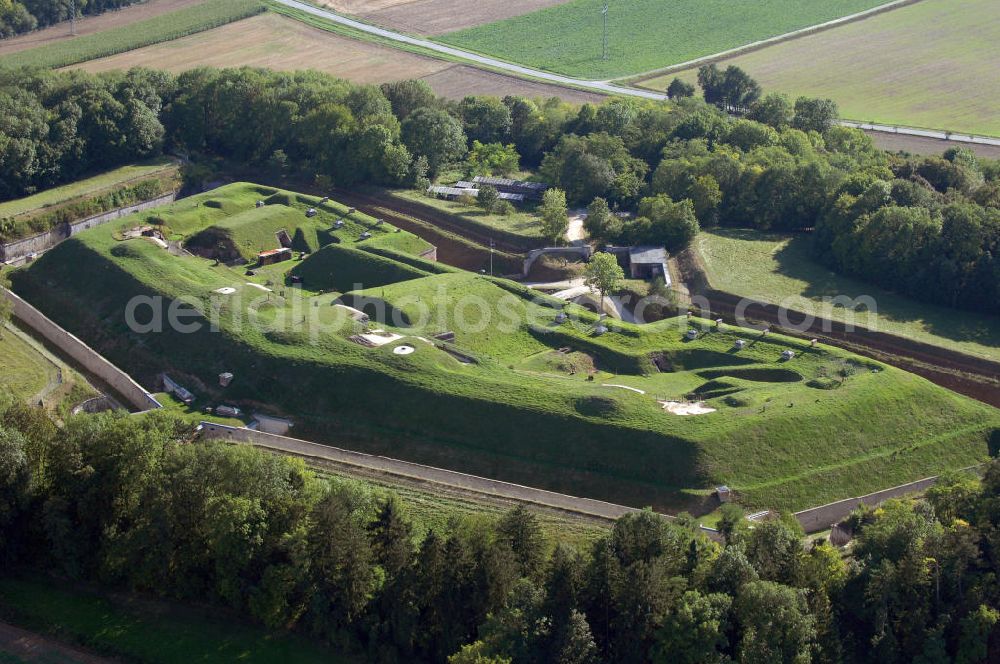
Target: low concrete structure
x=272, y=256
x=269, y=424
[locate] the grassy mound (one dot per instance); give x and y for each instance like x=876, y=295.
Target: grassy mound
x=337, y=268
x=780, y=443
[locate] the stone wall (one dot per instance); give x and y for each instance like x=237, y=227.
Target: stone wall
x=483, y=485
x=16, y=251
x=83, y=354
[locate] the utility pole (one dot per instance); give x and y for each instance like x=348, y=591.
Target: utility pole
x=604, y=53
x=491, y=256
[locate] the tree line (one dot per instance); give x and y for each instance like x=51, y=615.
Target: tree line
x=132, y=503
x=18, y=16
x=674, y=167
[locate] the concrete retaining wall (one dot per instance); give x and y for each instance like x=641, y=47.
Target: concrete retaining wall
x=822, y=517
x=83, y=354
x=16, y=251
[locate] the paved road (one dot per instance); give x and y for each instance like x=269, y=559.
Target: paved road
x=605, y=87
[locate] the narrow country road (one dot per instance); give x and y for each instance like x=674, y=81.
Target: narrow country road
x=605, y=87
x=31, y=647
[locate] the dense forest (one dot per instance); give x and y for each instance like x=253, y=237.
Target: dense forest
x=17, y=16
x=928, y=227
x=133, y=503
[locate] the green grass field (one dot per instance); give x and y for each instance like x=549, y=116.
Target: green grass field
x=643, y=34
x=781, y=269
x=148, y=631
x=86, y=187
x=931, y=64
x=183, y=22
x=23, y=370
x=822, y=426
x=523, y=225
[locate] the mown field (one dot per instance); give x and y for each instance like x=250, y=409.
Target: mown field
x=23, y=370
x=822, y=426
x=30, y=372
x=780, y=269
x=644, y=34
x=930, y=64
x=161, y=28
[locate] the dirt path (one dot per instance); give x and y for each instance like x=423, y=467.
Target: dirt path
x=31, y=647
x=92, y=24
x=435, y=17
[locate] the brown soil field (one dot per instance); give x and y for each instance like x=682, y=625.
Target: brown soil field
x=435, y=17
x=277, y=42
x=922, y=145
x=92, y=24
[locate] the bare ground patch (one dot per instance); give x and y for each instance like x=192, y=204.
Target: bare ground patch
x=460, y=80
x=923, y=145
x=435, y=17
x=92, y=24
x=277, y=42
x=273, y=41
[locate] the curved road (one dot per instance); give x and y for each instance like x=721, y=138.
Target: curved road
x=606, y=87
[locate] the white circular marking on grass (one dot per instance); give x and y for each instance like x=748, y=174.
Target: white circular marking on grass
x=403, y=350
x=225, y=290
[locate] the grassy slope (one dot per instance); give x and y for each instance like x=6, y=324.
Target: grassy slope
x=522, y=224
x=906, y=67
x=780, y=269
x=644, y=34
x=86, y=187
x=337, y=268
x=23, y=370
x=204, y=16
x=499, y=419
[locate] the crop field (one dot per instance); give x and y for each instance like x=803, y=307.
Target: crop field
x=433, y=17
x=91, y=24
x=125, y=37
x=500, y=400
x=930, y=64
x=281, y=43
x=643, y=34
x=780, y=269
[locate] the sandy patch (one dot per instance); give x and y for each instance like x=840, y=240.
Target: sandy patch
x=686, y=407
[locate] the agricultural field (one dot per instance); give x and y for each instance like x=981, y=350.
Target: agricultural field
x=281, y=43
x=89, y=25
x=501, y=400
x=433, y=17
x=780, y=269
x=644, y=34
x=119, y=37
x=930, y=64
